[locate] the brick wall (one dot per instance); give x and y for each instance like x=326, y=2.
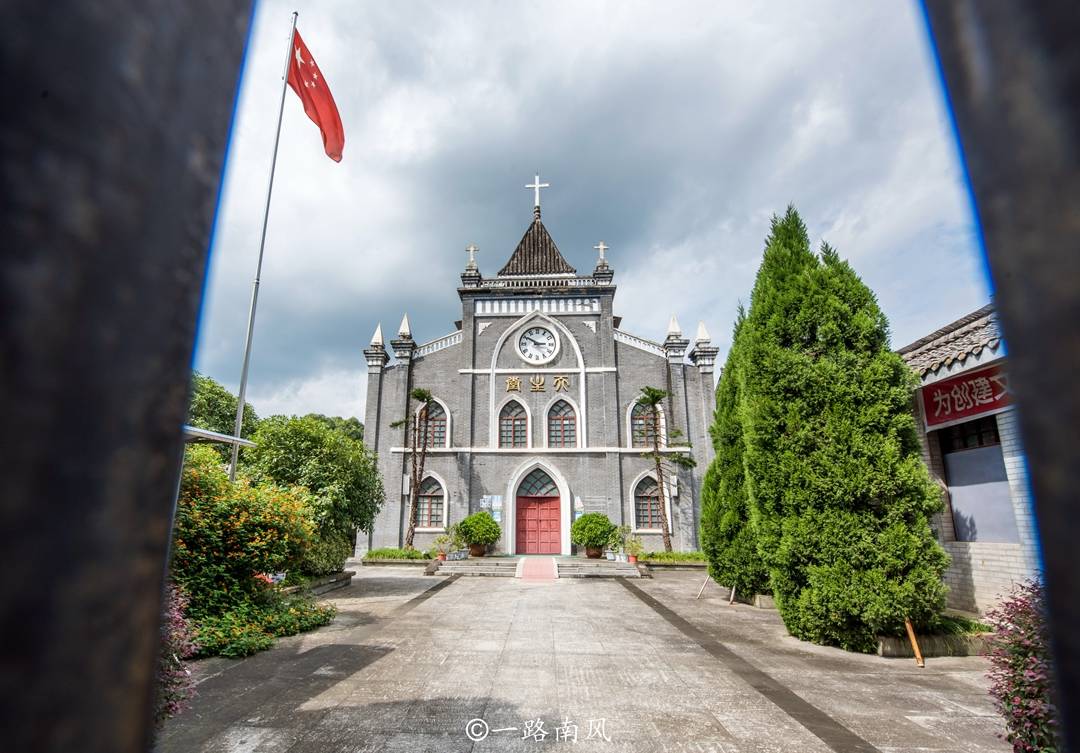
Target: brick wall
x=981, y=572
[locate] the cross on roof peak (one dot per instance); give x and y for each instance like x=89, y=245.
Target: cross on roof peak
x=536, y=185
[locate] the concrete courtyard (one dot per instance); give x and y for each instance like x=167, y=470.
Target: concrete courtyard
x=418, y=664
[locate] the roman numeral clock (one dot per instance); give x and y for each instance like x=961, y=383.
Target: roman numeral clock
x=537, y=345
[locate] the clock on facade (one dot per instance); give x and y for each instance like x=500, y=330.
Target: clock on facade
x=538, y=345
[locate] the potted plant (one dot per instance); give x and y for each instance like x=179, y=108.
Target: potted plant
x=593, y=531
x=479, y=531
x=634, y=548
x=440, y=545
x=617, y=543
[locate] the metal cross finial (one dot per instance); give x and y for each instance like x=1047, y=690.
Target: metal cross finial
x=536, y=185
x=472, y=249
x=601, y=247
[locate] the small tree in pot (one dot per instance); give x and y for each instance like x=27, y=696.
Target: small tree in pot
x=479, y=531
x=593, y=531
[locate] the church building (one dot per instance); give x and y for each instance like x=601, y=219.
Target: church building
x=535, y=415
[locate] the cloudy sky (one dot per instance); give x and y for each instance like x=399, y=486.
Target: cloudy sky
x=672, y=131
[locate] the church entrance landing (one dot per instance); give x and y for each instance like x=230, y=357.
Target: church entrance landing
x=538, y=524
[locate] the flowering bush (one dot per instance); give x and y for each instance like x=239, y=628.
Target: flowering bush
x=225, y=534
x=227, y=540
x=1020, y=670
x=174, y=686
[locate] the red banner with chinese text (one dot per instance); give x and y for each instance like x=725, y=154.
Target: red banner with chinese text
x=966, y=396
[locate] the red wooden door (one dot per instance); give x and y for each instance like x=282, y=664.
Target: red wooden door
x=538, y=530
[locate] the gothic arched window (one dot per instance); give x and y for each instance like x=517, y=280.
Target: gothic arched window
x=647, y=504
x=538, y=484
x=436, y=425
x=562, y=425
x=513, y=425
x=429, y=504
x=643, y=426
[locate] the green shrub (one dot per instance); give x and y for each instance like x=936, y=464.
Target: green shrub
x=225, y=534
x=213, y=407
x=728, y=537
x=839, y=498
x=592, y=530
x=227, y=538
x=392, y=553
x=250, y=626
x=662, y=556
x=479, y=528
x=327, y=554
x=338, y=470
x=951, y=625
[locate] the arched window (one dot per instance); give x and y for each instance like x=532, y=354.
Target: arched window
x=643, y=428
x=436, y=425
x=429, y=504
x=538, y=484
x=513, y=425
x=562, y=425
x=647, y=504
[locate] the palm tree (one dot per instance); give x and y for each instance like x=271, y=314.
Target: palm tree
x=651, y=398
x=418, y=440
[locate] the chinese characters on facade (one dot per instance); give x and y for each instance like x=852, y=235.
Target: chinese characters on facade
x=538, y=383
x=966, y=396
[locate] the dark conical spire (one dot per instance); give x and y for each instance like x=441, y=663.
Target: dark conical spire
x=537, y=253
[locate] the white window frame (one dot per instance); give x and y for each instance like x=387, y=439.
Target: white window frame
x=664, y=495
x=630, y=426
x=577, y=419
x=528, y=422
x=445, y=503
x=448, y=442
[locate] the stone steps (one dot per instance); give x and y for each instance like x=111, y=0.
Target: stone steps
x=583, y=568
x=481, y=566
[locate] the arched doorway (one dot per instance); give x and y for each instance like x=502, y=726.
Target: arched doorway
x=538, y=528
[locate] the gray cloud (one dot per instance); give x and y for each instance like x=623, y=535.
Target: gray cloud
x=671, y=131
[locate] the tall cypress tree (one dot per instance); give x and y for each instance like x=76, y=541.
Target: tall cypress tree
x=838, y=494
x=727, y=536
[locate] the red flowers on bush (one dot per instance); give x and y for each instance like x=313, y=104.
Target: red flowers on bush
x=1020, y=670
x=174, y=685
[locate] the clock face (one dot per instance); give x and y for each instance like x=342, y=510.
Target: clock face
x=537, y=345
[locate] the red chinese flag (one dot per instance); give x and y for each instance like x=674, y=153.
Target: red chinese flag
x=307, y=81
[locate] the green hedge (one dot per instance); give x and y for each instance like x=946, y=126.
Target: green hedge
x=674, y=557
x=251, y=626
x=327, y=554
x=392, y=553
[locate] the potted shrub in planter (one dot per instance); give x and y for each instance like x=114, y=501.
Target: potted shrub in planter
x=479, y=531
x=634, y=548
x=617, y=543
x=441, y=545
x=593, y=531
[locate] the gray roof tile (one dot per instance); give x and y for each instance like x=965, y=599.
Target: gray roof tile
x=954, y=342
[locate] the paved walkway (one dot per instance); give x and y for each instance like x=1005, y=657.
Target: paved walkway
x=410, y=661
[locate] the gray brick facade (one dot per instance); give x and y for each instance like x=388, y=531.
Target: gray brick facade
x=473, y=371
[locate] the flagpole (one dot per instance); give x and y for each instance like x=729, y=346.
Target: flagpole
x=258, y=267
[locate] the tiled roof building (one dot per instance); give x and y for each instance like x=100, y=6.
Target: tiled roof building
x=955, y=342
x=970, y=441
